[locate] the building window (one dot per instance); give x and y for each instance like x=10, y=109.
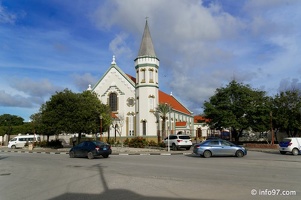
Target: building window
x=113, y=101
x=131, y=125
x=144, y=127
x=143, y=76
x=151, y=75
x=151, y=103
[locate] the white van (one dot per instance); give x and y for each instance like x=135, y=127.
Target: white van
x=20, y=141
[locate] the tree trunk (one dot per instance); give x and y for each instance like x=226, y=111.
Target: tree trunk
x=163, y=129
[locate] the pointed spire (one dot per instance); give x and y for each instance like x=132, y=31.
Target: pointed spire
x=146, y=46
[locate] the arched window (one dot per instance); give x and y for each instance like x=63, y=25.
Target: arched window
x=113, y=101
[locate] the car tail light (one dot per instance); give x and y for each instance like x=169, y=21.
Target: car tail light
x=197, y=146
x=289, y=144
x=97, y=148
x=179, y=140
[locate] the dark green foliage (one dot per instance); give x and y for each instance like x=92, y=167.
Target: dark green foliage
x=8, y=123
x=55, y=144
x=238, y=107
x=287, y=112
x=72, y=113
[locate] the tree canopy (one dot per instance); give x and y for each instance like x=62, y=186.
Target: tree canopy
x=68, y=112
x=238, y=107
x=9, y=122
x=287, y=112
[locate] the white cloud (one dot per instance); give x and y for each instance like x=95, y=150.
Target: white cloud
x=8, y=100
x=6, y=16
x=119, y=46
x=82, y=82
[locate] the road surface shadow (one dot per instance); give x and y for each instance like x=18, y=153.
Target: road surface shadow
x=112, y=194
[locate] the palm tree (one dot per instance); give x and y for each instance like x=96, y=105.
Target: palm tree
x=163, y=109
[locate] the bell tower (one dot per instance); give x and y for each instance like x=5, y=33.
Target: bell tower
x=147, y=86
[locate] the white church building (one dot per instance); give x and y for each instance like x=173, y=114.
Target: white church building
x=133, y=100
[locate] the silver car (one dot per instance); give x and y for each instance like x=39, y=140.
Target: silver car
x=218, y=147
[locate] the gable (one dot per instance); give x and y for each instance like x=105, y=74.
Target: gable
x=114, y=78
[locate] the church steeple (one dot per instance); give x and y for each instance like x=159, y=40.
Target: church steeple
x=146, y=46
x=147, y=86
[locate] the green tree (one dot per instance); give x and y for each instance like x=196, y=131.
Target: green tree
x=70, y=112
x=163, y=109
x=7, y=122
x=287, y=112
x=238, y=107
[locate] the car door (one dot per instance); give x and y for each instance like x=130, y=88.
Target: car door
x=227, y=148
x=79, y=150
x=215, y=147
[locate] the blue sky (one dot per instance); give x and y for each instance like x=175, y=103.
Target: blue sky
x=47, y=46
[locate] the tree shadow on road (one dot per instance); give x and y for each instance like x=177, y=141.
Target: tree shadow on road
x=111, y=194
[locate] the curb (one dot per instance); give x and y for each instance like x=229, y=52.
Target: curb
x=119, y=154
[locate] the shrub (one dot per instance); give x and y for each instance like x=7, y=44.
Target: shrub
x=138, y=142
x=55, y=144
x=152, y=143
x=111, y=141
x=126, y=142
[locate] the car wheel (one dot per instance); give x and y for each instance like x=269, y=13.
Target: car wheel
x=13, y=147
x=295, y=152
x=187, y=148
x=207, y=154
x=105, y=155
x=239, y=154
x=174, y=147
x=90, y=155
x=283, y=152
x=71, y=154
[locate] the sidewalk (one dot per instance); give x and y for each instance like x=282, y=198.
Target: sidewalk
x=120, y=151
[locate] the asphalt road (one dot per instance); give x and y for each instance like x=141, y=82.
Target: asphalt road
x=259, y=175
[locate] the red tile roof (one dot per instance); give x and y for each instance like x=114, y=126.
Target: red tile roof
x=173, y=102
x=199, y=119
x=113, y=115
x=183, y=124
x=169, y=99
x=132, y=78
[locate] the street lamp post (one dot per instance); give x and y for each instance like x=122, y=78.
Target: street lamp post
x=100, y=131
x=272, y=130
x=169, y=128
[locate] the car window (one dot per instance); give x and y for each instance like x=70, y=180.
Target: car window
x=214, y=143
x=97, y=143
x=86, y=144
x=226, y=143
x=184, y=137
x=81, y=144
x=172, y=137
x=287, y=140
